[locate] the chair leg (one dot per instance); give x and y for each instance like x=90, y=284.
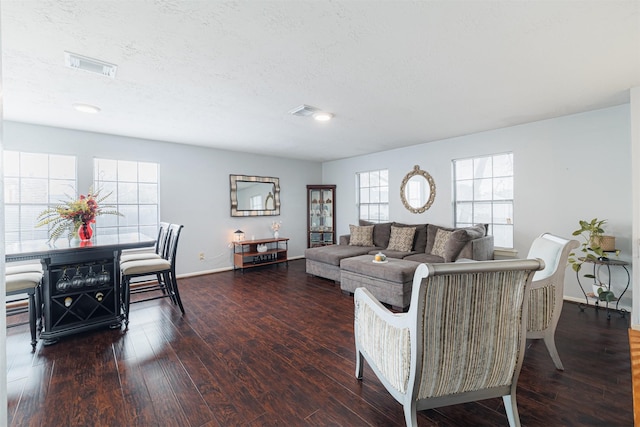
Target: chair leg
x=39, y=319
x=359, y=362
x=410, y=413
x=126, y=297
x=32, y=319
x=511, y=408
x=550, y=342
x=171, y=278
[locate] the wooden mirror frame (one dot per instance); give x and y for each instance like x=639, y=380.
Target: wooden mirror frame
x=272, y=196
x=432, y=187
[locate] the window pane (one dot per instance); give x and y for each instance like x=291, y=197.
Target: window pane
x=464, y=190
x=464, y=213
x=483, y=189
x=503, y=188
x=34, y=182
x=34, y=165
x=484, y=193
x=34, y=190
x=482, y=167
x=148, y=172
x=127, y=171
x=134, y=193
x=373, y=195
x=482, y=213
x=503, y=165
x=502, y=213
x=463, y=169
x=149, y=193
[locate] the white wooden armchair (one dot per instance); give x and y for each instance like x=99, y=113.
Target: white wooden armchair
x=547, y=290
x=462, y=340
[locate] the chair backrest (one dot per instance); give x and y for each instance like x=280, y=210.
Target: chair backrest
x=469, y=334
x=547, y=287
x=162, y=239
x=172, y=242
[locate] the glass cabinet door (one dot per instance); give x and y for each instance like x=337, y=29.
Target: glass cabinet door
x=321, y=215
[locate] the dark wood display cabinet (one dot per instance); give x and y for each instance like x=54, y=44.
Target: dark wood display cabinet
x=321, y=215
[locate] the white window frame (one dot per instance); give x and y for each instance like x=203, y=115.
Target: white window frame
x=372, y=195
x=58, y=186
x=135, y=194
x=484, y=193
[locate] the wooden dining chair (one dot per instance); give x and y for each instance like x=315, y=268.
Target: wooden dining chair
x=164, y=269
x=25, y=279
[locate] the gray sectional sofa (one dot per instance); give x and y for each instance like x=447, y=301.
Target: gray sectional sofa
x=405, y=245
x=470, y=243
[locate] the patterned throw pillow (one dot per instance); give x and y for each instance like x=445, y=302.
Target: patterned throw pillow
x=401, y=239
x=440, y=243
x=361, y=236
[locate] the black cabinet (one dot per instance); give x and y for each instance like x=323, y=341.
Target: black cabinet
x=80, y=293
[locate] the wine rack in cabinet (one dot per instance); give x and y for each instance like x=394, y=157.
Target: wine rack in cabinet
x=80, y=294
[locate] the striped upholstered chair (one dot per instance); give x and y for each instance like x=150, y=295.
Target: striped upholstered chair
x=462, y=340
x=547, y=290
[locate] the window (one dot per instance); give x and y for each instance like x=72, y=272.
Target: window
x=483, y=193
x=373, y=195
x=34, y=182
x=135, y=193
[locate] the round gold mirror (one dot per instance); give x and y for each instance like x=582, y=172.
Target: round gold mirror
x=418, y=190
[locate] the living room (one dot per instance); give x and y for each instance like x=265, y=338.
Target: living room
x=576, y=161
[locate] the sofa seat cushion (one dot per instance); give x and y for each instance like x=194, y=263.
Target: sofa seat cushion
x=426, y=258
x=394, y=270
x=332, y=254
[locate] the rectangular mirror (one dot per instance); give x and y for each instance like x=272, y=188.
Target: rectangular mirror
x=254, y=195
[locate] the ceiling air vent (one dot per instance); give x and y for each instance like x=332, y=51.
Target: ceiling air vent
x=304, y=110
x=73, y=60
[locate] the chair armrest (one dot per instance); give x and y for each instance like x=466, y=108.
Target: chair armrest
x=390, y=357
x=363, y=297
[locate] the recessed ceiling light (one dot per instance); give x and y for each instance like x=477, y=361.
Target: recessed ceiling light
x=86, y=108
x=322, y=116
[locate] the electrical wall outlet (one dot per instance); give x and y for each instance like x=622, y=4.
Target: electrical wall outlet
x=201, y=255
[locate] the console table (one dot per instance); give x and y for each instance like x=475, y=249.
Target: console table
x=81, y=284
x=608, y=263
x=247, y=255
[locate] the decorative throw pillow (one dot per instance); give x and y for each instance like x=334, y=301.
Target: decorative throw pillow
x=401, y=239
x=361, y=236
x=440, y=243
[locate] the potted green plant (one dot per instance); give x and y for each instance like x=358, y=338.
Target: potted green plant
x=592, y=233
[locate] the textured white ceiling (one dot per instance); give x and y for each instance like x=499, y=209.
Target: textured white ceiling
x=394, y=73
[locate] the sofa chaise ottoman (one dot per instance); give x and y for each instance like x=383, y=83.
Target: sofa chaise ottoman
x=389, y=282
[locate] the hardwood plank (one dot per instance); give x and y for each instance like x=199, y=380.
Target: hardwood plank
x=274, y=347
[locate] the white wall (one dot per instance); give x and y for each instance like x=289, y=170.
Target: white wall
x=194, y=186
x=566, y=169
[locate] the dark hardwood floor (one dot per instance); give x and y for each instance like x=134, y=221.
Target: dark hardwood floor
x=274, y=347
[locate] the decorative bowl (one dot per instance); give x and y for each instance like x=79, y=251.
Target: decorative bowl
x=261, y=248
